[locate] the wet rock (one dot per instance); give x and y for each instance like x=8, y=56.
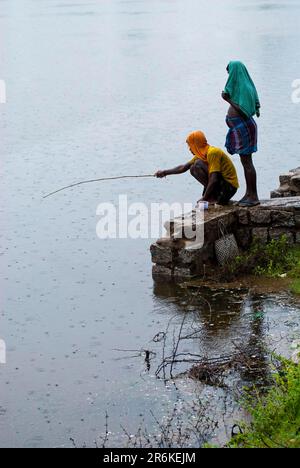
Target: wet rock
x=296, y=353
x=284, y=188
x=282, y=204
x=289, y=185
x=216, y=227
x=243, y=237
x=296, y=356
x=161, y=255
x=159, y=271
x=259, y=216
x=243, y=216
x=182, y=273
x=173, y=244
x=276, y=194
x=297, y=220
x=277, y=233
x=190, y=256
x=209, y=222
x=261, y=234
x=283, y=218
x=295, y=183
x=285, y=179
x=184, y=227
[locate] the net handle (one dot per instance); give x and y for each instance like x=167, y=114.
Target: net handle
x=222, y=228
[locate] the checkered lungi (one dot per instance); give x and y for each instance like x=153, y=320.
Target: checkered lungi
x=242, y=135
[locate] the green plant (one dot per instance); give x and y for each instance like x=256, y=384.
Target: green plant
x=295, y=286
x=272, y=260
x=276, y=416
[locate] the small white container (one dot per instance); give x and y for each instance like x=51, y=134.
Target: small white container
x=202, y=205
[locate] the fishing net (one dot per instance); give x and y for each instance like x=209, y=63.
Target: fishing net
x=226, y=247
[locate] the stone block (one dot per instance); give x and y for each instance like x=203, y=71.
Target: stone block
x=185, y=227
x=285, y=178
x=260, y=234
x=208, y=253
x=277, y=233
x=182, y=273
x=159, y=271
x=243, y=237
x=297, y=220
x=189, y=256
x=259, y=216
x=213, y=228
x=173, y=244
x=283, y=218
x=284, y=188
x=161, y=255
x=275, y=194
x=298, y=237
x=295, y=183
x=243, y=216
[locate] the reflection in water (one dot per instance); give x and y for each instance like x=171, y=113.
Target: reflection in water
x=221, y=323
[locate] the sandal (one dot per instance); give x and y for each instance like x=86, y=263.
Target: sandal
x=248, y=203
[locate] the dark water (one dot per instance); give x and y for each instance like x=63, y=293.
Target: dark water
x=96, y=89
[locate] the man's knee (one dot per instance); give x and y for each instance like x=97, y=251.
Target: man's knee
x=198, y=166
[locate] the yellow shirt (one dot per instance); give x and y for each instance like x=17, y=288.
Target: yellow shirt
x=218, y=161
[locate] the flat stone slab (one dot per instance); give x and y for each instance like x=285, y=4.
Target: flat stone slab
x=211, y=216
x=281, y=203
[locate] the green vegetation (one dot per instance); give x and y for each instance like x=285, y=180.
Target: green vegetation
x=294, y=273
x=275, y=416
x=275, y=259
x=295, y=286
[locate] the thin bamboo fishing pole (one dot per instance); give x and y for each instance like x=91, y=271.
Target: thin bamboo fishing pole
x=98, y=180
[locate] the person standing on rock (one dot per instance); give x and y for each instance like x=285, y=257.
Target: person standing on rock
x=211, y=167
x=240, y=92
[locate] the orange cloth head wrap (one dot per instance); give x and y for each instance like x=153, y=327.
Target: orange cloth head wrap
x=198, y=144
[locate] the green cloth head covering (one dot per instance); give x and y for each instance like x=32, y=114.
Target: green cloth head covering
x=241, y=89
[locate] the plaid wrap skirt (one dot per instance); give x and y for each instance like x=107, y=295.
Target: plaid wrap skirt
x=242, y=135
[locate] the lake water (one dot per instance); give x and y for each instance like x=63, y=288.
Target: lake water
x=104, y=88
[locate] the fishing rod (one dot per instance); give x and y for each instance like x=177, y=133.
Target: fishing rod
x=99, y=180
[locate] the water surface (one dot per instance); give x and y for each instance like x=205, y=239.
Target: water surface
x=103, y=88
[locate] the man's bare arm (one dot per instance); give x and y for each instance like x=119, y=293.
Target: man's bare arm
x=176, y=170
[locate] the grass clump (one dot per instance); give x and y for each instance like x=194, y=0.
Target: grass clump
x=275, y=259
x=294, y=273
x=275, y=416
x=295, y=286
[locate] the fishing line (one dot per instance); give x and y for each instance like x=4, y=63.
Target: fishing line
x=98, y=180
